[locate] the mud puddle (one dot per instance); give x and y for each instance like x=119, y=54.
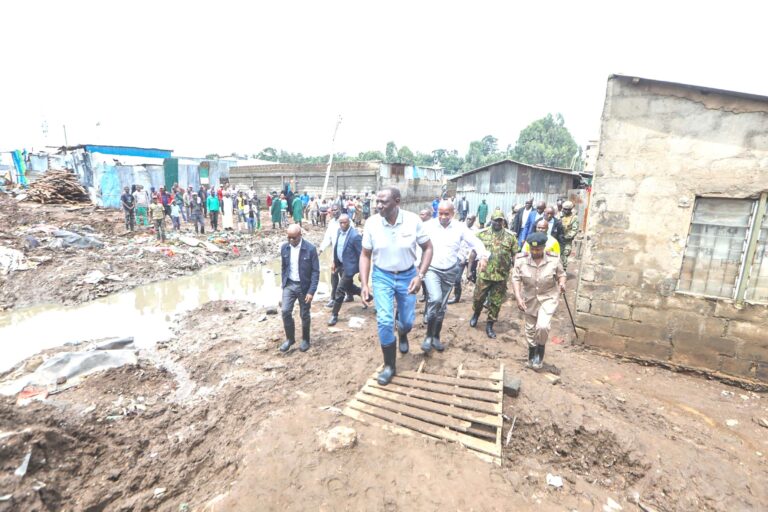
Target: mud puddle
x=146, y=313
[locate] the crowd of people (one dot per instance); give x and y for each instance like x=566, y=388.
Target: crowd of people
x=219, y=207
x=400, y=253
x=288, y=207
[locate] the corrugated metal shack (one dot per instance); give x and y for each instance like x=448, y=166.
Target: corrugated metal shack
x=507, y=183
x=418, y=185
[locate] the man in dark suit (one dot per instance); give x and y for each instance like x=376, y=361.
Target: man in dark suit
x=530, y=225
x=521, y=217
x=346, y=258
x=300, y=275
x=557, y=232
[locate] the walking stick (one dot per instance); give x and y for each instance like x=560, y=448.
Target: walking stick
x=570, y=315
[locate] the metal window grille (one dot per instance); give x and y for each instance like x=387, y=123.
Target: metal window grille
x=724, y=253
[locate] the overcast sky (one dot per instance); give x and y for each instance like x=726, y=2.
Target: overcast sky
x=205, y=77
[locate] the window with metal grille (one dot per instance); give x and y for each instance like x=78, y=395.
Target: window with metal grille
x=724, y=253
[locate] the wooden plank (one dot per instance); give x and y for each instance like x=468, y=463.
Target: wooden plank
x=428, y=428
x=373, y=420
x=475, y=394
x=440, y=420
x=501, y=400
x=479, y=432
x=453, y=381
x=492, y=420
x=466, y=403
x=472, y=374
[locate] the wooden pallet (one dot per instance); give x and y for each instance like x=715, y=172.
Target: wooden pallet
x=465, y=409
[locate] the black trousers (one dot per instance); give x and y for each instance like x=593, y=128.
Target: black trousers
x=345, y=287
x=291, y=293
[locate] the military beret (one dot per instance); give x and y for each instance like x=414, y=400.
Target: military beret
x=497, y=214
x=568, y=205
x=537, y=239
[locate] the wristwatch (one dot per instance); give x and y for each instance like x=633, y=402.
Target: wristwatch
x=421, y=276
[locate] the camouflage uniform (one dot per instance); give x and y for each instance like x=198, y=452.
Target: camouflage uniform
x=492, y=282
x=570, y=229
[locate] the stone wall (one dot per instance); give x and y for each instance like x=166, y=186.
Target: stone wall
x=661, y=146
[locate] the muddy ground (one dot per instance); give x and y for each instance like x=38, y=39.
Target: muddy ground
x=126, y=260
x=218, y=419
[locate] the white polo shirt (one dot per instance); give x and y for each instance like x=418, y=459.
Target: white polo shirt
x=393, y=247
x=447, y=242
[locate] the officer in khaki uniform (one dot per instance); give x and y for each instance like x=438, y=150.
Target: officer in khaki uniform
x=492, y=282
x=570, y=229
x=537, y=280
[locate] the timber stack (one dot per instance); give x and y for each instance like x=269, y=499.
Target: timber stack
x=59, y=186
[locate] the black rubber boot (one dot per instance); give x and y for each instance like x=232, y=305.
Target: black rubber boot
x=286, y=345
x=474, y=319
x=489, y=330
x=426, y=345
x=538, y=359
x=304, y=338
x=531, y=356
x=390, y=357
x=436, y=336
x=456, y=294
x=335, y=313
x=402, y=342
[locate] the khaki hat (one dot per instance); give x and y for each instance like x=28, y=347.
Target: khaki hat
x=568, y=205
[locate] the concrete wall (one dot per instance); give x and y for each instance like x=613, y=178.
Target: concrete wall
x=661, y=146
x=354, y=178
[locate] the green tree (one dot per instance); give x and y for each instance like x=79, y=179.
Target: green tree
x=546, y=141
x=489, y=145
x=269, y=154
x=405, y=155
x=366, y=156
x=391, y=152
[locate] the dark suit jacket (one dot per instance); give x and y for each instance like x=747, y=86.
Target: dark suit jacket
x=309, y=266
x=353, y=246
x=530, y=226
x=558, y=232
x=517, y=225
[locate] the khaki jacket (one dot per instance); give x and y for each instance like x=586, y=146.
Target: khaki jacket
x=539, y=282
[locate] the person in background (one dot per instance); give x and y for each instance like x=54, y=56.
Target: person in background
x=175, y=212
x=141, y=199
x=463, y=208
x=482, y=213
x=197, y=214
x=435, y=204
x=329, y=240
x=276, y=212
x=297, y=209
x=521, y=217
x=530, y=224
x=178, y=200
x=305, y=204
x=312, y=207
x=129, y=208
x=366, y=207
x=300, y=276
x=284, y=215
x=570, y=222
x=213, y=206
x=157, y=217
x=346, y=258
x=250, y=216
x=322, y=211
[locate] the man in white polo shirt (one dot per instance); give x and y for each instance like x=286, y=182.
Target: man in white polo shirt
x=447, y=236
x=390, y=240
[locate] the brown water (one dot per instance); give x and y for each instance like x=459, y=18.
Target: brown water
x=145, y=312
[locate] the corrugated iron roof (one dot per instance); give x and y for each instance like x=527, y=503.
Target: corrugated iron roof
x=532, y=166
x=698, y=88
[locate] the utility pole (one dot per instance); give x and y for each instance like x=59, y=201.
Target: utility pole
x=330, y=159
x=66, y=144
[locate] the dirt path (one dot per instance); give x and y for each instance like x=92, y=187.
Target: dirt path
x=226, y=422
x=125, y=261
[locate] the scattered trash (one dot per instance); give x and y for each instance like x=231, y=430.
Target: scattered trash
x=113, y=344
x=94, y=277
x=214, y=335
x=509, y=432
x=11, y=260
x=22, y=470
x=763, y=422
x=271, y=310
x=71, y=239
x=115, y=277
x=184, y=507
x=159, y=492
x=338, y=438
x=261, y=318
x=330, y=408
x=611, y=506
x=726, y=393
x=556, y=340
x=554, y=480
x=273, y=366
x=31, y=242
x=731, y=423
x=620, y=399
x=356, y=322
x=30, y=394
x=6, y=497
x=38, y=485
x=88, y=410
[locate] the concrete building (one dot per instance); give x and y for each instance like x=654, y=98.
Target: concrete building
x=590, y=156
x=507, y=183
x=674, y=265
x=418, y=185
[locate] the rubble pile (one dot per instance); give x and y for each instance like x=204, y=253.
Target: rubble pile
x=59, y=186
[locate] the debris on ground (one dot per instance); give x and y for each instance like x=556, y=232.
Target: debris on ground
x=58, y=186
x=338, y=438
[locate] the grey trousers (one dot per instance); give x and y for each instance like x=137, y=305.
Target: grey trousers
x=291, y=293
x=439, y=283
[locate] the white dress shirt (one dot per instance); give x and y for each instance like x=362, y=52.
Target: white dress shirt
x=329, y=239
x=447, y=242
x=526, y=213
x=293, y=268
x=393, y=247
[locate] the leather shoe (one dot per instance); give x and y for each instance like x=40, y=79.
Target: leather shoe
x=286, y=345
x=333, y=320
x=304, y=345
x=330, y=303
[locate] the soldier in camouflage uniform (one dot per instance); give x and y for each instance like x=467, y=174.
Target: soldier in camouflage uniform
x=570, y=228
x=492, y=282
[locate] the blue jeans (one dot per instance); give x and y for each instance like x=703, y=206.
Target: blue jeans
x=388, y=287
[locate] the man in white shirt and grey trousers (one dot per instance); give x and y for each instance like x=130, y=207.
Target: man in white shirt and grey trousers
x=447, y=235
